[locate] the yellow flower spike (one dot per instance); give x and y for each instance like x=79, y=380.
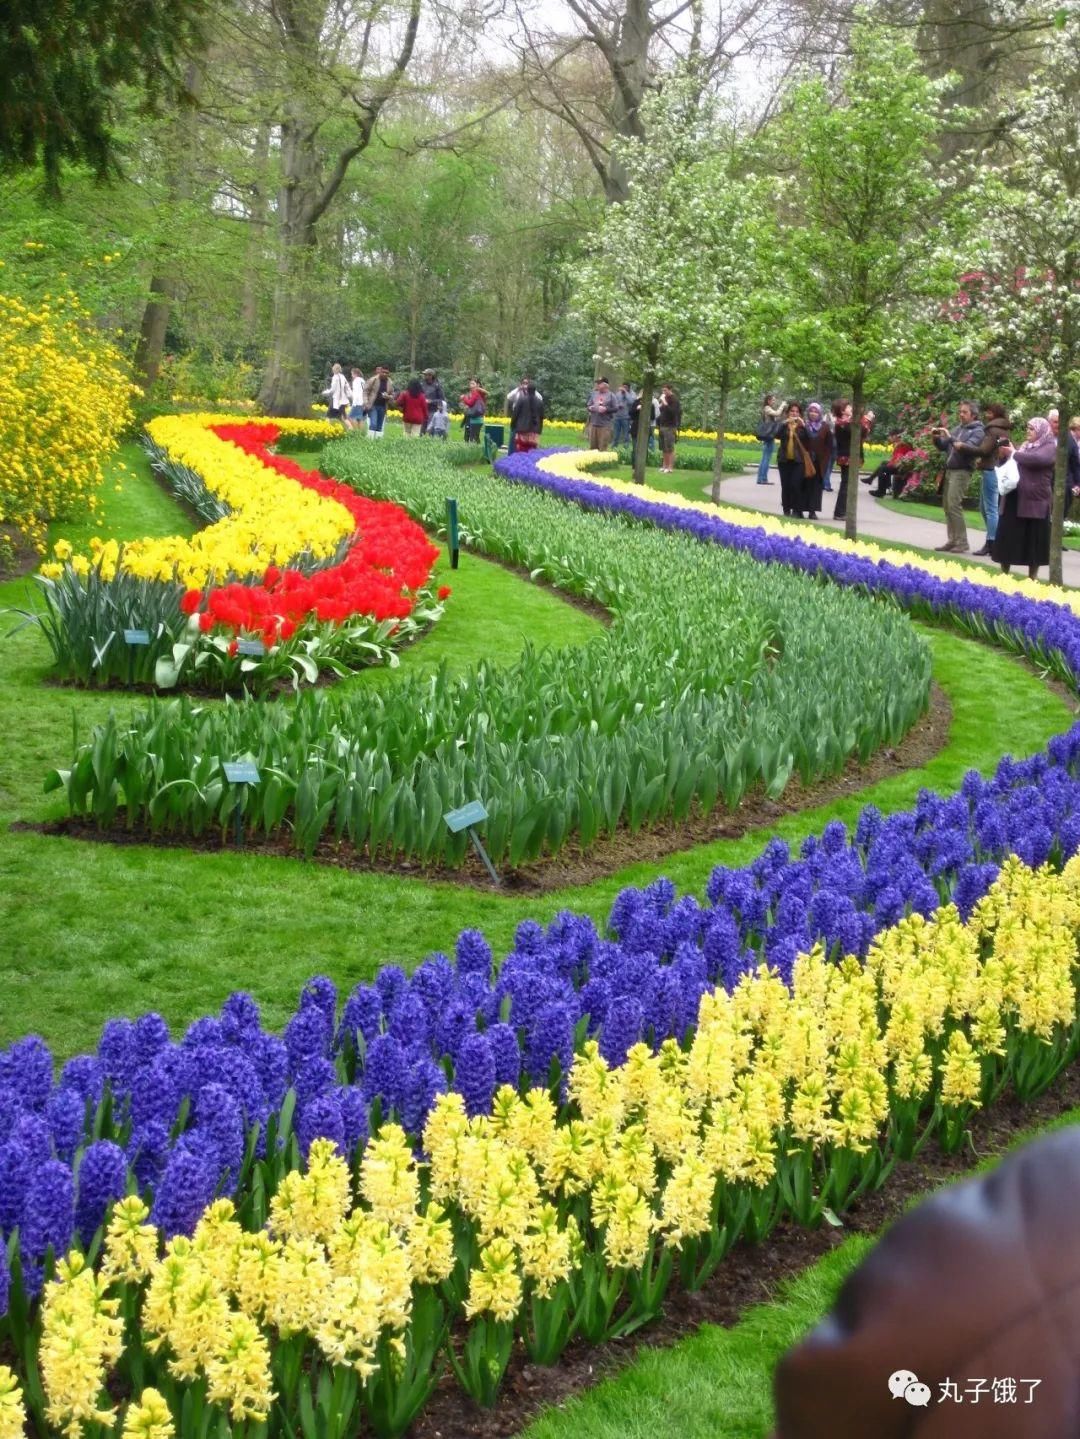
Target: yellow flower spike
x=687, y=1201
x=238, y=1372
x=495, y=1284
x=550, y=1254
x=12, y=1412
x=150, y=1418
x=431, y=1246
x=131, y=1244
x=388, y=1178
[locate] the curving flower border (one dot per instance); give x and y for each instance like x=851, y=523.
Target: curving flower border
x=620, y=1105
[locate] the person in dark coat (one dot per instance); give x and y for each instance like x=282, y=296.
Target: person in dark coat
x=963, y=1322
x=792, y=460
x=1023, y=533
x=526, y=409
x=842, y=435
x=996, y=426
x=817, y=440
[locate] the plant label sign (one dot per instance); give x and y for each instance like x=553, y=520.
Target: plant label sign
x=240, y=772
x=136, y=637
x=250, y=647
x=465, y=817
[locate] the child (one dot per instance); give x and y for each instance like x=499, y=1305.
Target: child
x=439, y=424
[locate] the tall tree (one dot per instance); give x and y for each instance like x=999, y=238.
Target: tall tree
x=1034, y=219
x=631, y=287
x=595, y=79
x=726, y=242
x=62, y=66
x=871, y=223
x=330, y=70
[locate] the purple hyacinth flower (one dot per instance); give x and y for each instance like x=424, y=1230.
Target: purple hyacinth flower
x=66, y=1114
x=506, y=1052
x=307, y=1036
x=147, y=1150
x=187, y=1186
x=550, y=1037
x=151, y=1036
x=426, y=1080
x=219, y=1122
x=363, y=1014
x=102, y=1179
x=473, y=954
x=85, y=1076
x=47, y=1221
x=386, y=1072
x=271, y=1061
x=240, y=1018
x=322, y=993
x=321, y=1119
x=28, y=1067
x=15, y=1169
x=5, y=1279
x=354, y=1116
x=474, y=1074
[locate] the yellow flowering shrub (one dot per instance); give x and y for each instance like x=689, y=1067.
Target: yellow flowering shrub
x=65, y=399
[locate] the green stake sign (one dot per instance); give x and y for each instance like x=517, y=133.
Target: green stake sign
x=452, y=531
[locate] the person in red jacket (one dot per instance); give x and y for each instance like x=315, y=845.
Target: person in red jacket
x=414, y=409
x=889, y=475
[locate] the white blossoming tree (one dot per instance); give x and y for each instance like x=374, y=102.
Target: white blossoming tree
x=1032, y=293
x=873, y=237
x=723, y=285
x=674, y=269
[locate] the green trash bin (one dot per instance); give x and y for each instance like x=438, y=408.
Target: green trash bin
x=494, y=440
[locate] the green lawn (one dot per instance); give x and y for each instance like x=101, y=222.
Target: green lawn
x=208, y=923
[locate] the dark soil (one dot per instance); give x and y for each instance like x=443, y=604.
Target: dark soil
x=749, y=1275
x=21, y=558
x=573, y=866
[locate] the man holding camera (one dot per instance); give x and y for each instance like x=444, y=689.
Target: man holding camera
x=961, y=447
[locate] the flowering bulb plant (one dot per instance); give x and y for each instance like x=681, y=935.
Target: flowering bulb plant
x=317, y=577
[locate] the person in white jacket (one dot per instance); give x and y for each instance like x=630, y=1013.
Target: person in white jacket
x=356, y=417
x=340, y=395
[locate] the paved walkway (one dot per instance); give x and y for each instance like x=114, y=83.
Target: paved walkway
x=875, y=521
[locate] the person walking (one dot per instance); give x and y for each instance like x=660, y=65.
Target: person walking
x=1072, y=480
x=526, y=411
x=996, y=426
x=439, y=423
x=668, y=420
x=961, y=449
x=376, y=398
x=338, y=406
x=355, y=418
x=433, y=393
x=817, y=441
x=792, y=460
x=768, y=429
x=473, y=408
x=1023, y=533
x=414, y=409
x=830, y=420
x=601, y=407
x=620, y=430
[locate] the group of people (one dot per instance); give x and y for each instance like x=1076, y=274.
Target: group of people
x=810, y=447
x=1015, y=481
x=1016, y=485
x=361, y=404
x=613, y=418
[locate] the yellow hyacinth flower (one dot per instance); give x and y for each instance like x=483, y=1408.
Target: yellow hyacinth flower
x=150, y=1418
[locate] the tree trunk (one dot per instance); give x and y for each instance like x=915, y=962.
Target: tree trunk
x=286, y=387
x=1057, y=504
x=258, y=216
x=851, y=530
x=152, y=330
x=721, y=426
x=630, y=75
x=178, y=155
x=641, y=444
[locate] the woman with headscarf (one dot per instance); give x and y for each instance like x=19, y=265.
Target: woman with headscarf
x=1023, y=533
x=817, y=441
x=792, y=460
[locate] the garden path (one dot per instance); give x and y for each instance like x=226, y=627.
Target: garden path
x=876, y=522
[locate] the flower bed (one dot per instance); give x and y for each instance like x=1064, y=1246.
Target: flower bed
x=309, y=574
x=716, y=674
x=603, y=1116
